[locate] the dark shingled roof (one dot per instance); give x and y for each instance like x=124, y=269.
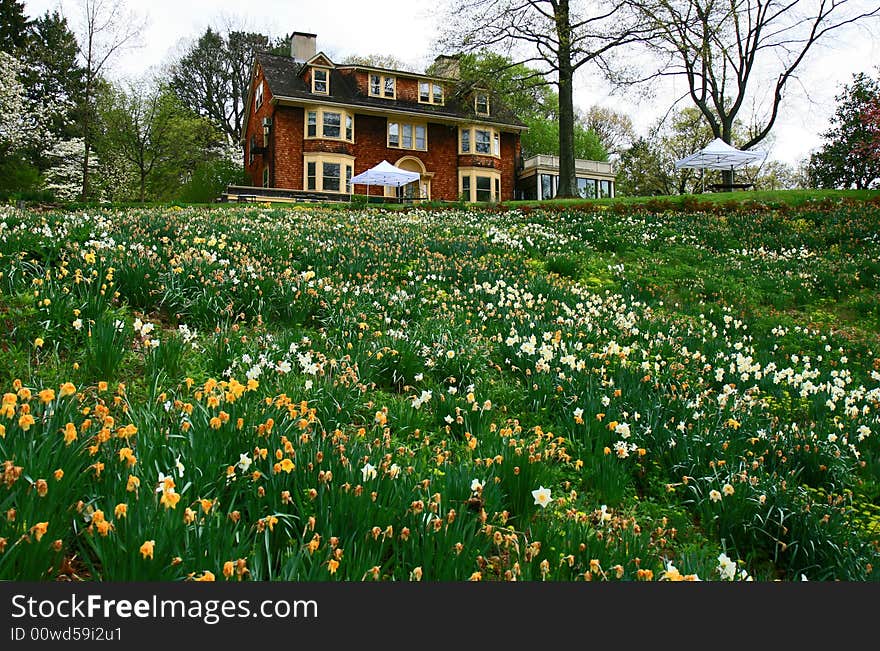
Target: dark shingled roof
x=283, y=75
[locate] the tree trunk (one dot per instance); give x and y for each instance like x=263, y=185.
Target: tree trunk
x=87, y=141
x=567, y=187
x=727, y=177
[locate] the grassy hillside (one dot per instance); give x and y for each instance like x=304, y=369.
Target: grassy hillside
x=539, y=392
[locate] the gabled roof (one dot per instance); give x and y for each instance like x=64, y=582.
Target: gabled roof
x=320, y=59
x=284, y=76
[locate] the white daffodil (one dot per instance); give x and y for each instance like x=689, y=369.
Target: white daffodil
x=726, y=567
x=244, y=462
x=476, y=485
x=542, y=496
x=368, y=471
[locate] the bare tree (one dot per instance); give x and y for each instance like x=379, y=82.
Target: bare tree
x=731, y=51
x=556, y=37
x=104, y=28
x=614, y=129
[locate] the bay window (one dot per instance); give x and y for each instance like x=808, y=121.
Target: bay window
x=328, y=172
x=335, y=124
x=485, y=141
x=479, y=184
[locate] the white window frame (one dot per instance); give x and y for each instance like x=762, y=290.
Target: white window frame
x=258, y=95
x=346, y=171
x=477, y=102
x=471, y=174
x=471, y=134
x=383, y=81
x=326, y=71
x=432, y=93
x=346, y=123
x=401, y=127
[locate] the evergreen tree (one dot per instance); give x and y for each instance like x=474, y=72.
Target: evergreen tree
x=13, y=27
x=52, y=76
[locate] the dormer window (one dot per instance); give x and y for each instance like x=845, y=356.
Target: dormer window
x=383, y=86
x=481, y=103
x=430, y=93
x=321, y=81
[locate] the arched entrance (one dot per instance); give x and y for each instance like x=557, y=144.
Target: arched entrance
x=415, y=190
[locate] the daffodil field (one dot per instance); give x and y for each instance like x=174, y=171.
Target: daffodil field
x=314, y=394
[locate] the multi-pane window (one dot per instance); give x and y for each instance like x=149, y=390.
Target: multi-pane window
x=324, y=123
x=328, y=172
x=479, y=140
x=407, y=136
x=331, y=124
x=481, y=103
x=430, y=92
x=484, y=188
x=321, y=81
x=393, y=134
x=586, y=188
x=482, y=141
x=383, y=86
x=266, y=176
x=479, y=184
x=330, y=176
x=258, y=96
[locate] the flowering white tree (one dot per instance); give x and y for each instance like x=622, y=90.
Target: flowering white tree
x=64, y=177
x=20, y=122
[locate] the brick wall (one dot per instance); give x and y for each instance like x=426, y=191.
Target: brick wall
x=510, y=151
x=287, y=144
x=254, y=127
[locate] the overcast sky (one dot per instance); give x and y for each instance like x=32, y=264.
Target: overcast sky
x=406, y=30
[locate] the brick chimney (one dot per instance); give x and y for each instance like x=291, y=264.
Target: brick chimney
x=446, y=66
x=302, y=46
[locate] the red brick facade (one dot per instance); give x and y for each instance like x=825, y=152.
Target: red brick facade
x=287, y=145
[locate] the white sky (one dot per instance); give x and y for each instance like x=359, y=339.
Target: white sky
x=406, y=30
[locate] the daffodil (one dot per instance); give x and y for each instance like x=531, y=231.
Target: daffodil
x=368, y=471
x=147, y=549
x=542, y=496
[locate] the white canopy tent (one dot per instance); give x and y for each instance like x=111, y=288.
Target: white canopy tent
x=385, y=174
x=718, y=155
